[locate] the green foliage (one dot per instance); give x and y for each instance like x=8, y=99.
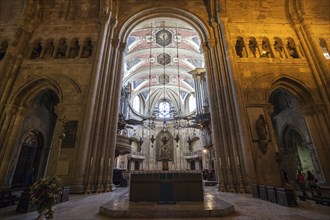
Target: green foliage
x=44, y=192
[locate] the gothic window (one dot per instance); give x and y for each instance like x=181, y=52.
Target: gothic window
x=324, y=48
x=61, y=50
x=36, y=51
x=253, y=45
x=278, y=47
x=3, y=49
x=88, y=48
x=266, y=50
x=74, y=48
x=136, y=103
x=291, y=46
x=50, y=47
x=164, y=109
x=47, y=100
x=240, y=47
x=192, y=103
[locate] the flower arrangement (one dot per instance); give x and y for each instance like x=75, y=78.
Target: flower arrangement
x=44, y=194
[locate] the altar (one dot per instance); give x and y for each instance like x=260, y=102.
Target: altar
x=166, y=186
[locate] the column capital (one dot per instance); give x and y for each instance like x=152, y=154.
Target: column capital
x=11, y=109
x=122, y=47
x=23, y=111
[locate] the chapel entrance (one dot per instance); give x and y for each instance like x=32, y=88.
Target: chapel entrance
x=29, y=160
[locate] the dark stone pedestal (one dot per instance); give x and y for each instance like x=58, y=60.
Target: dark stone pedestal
x=271, y=194
x=255, y=191
x=262, y=192
x=286, y=197
x=166, y=187
x=24, y=204
x=65, y=194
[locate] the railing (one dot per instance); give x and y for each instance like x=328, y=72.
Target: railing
x=194, y=154
x=140, y=155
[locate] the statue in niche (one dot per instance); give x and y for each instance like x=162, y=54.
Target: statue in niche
x=165, y=156
x=261, y=126
x=253, y=46
x=292, y=49
x=87, y=50
x=49, y=50
x=3, y=49
x=61, y=51
x=266, y=49
x=278, y=46
x=239, y=47
x=74, y=49
x=36, y=51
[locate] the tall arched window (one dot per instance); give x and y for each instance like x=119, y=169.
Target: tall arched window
x=136, y=103
x=192, y=103
x=164, y=109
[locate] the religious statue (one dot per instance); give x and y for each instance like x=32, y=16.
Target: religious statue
x=61, y=51
x=74, y=49
x=49, y=50
x=36, y=51
x=165, y=155
x=87, y=50
x=261, y=127
x=262, y=133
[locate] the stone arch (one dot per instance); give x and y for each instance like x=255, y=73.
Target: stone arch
x=292, y=127
x=30, y=151
x=297, y=88
x=199, y=26
x=29, y=91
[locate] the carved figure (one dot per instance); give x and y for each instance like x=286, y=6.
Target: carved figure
x=253, y=46
x=36, y=51
x=74, y=49
x=49, y=50
x=87, y=51
x=61, y=51
x=261, y=127
x=3, y=49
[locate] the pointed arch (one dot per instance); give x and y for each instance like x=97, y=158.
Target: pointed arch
x=26, y=93
x=156, y=12
x=297, y=88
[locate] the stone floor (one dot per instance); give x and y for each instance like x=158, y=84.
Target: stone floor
x=246, y=207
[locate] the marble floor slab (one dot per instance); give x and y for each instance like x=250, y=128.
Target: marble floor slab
x=87, y=207
x=212, y=206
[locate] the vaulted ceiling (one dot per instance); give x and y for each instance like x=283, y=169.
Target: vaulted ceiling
x=160, y=53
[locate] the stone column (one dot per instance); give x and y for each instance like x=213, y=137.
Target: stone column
x=8, y=164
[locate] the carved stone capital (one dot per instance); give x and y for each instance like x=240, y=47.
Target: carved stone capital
x=122, y=47
x=11, y=109
x=23, y=111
